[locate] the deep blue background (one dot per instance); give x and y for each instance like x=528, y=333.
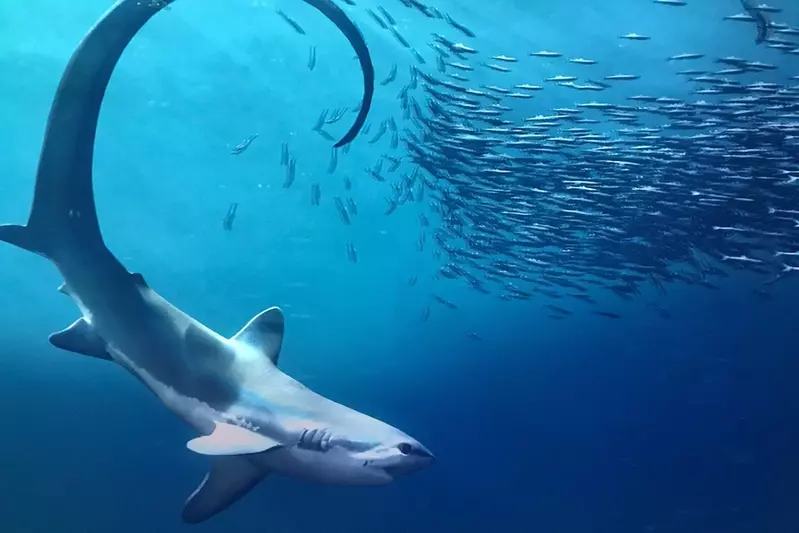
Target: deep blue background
x=582, y=425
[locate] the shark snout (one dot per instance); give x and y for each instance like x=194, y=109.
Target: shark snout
x=412, y=458
x=423, y=452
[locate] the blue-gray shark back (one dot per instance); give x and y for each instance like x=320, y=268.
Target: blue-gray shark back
x=63, y=211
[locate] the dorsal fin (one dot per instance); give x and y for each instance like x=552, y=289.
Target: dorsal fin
x=139, y=280
x=264, y=332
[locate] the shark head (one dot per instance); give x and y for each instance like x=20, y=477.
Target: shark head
x=285, y=427
x=353, y=449
x=362, y=450
x=392, y=458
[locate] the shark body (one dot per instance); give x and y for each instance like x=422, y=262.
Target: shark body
x=250, y=416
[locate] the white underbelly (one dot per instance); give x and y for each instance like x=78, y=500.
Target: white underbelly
x=195, y=412
x=334, y=466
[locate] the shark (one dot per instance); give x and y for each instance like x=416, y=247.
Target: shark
x=250, y=418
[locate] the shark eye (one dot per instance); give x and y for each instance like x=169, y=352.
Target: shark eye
x=405, y=448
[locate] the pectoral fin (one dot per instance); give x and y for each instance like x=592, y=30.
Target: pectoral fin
x=81, y=338
x=228, y=439
x=229, y=480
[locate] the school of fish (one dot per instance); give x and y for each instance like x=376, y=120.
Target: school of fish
x=627, y=194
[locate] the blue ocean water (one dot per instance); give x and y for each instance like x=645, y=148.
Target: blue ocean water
x=578, y=425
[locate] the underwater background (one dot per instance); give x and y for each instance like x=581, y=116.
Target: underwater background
x=676, y=411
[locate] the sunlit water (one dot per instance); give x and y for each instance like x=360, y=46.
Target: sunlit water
x=579, y=425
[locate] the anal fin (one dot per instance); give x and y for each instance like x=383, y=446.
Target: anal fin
x=81, y=338
x=229, y=480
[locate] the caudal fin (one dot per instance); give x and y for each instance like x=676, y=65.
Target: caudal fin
x=337, y=15
x=23, y=237
x=63, y=203
x=63, y=212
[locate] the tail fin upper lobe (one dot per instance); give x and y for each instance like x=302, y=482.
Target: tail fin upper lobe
x=63, y=207
x=63, y=204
